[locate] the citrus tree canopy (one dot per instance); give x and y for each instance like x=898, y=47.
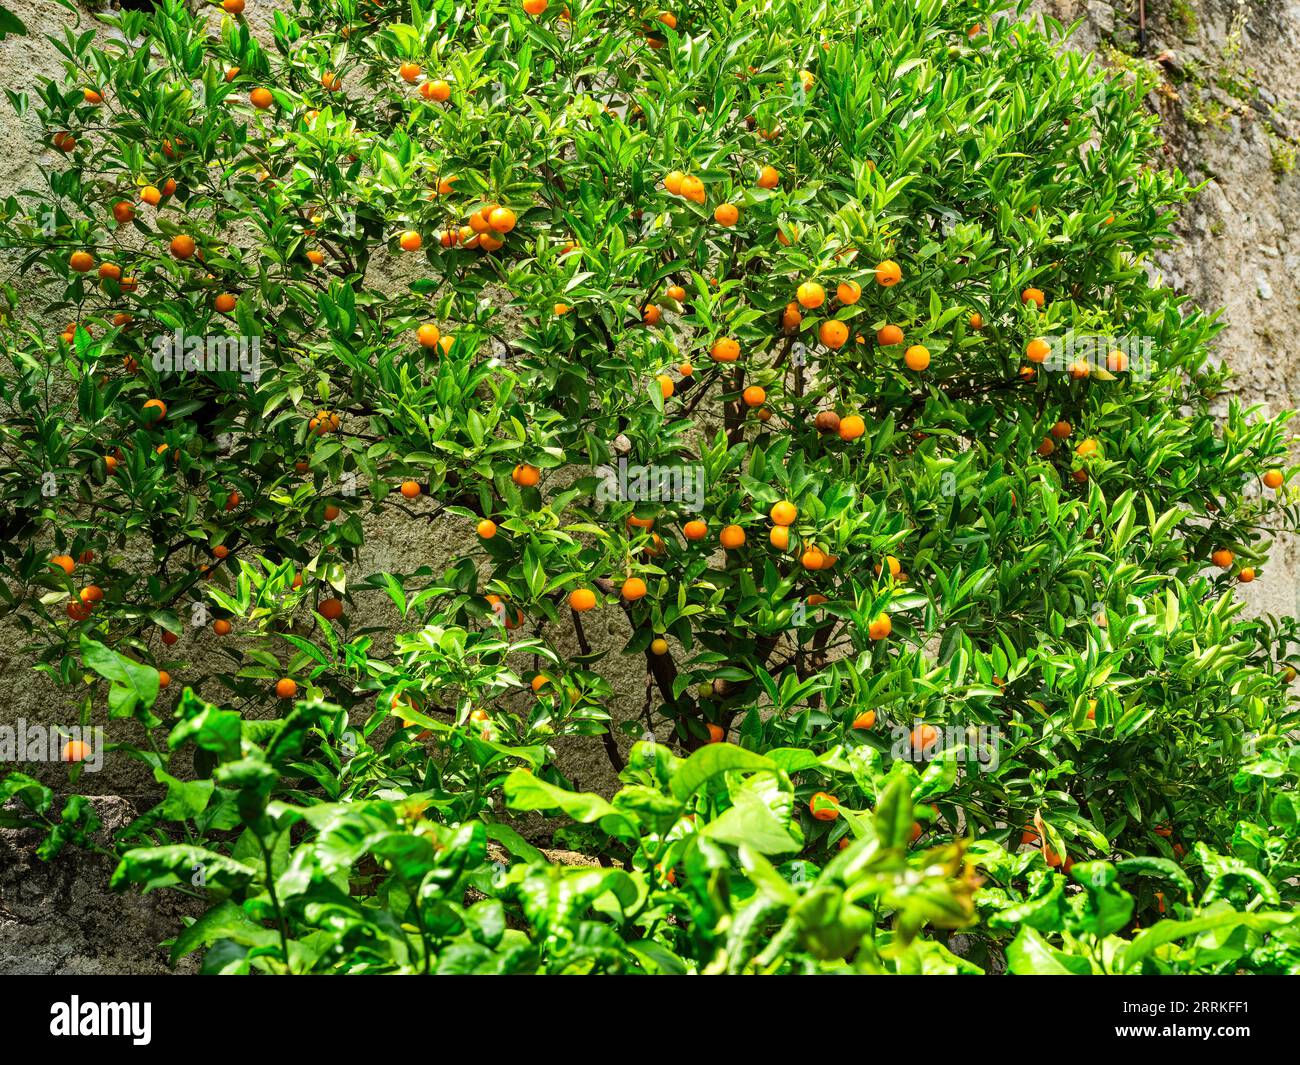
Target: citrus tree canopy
x=814, y=348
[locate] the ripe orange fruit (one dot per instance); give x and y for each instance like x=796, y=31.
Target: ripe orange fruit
x=695, y=530
x=716, y=732
x=633, y=589
x=732, y=537
x=754, y=396
x=865, y=720
x=158, y=405
x=81, y=262
x=1273, y=479
x=331, y=82
x=650, y=314
x=779, y=537
x=724, y=350
x=64, y=562
x=525, y=475
x=151, y=195
x=286, y=688
x=410, y=240
x=486, y=528
x=924, y=737
x=833, y=333
x=534, y=7
x=438, y=91
x=331, y=512
x=225, y=302
x=182, y=246
x=1246, y=575
x=1087, y=448
x=790, y=317
x=330, y=609
x=848, y=292
x=824, y=807
x=768, y=178
x=1037, y=350
x=232, y=501
x=169, y=638
x=881, y=627
x=895, y=567
x=813, y=558
x=1117, y=361
x=123, y=212
x=693, y=189
x=315, y=256
x=409, y=71
x=888, y=274
x=673, y=182
x=428, y=335
x=221, y=627
x=164, y=679
x=976, y=320
x=1062, y=429
x=677, y=293
x=75, y=751
x=233, y=7
x=783, y=512
x=1047, y=447
x=810, y=295
x=582, y=599
x=665, y=385
x=1033, y=295
x=851, y=427
x=221, y=551
x=502, y=220
x=917, y=357
x=1080, y=369
x=658, y=646
x=261, y=98
x=726, y=214
x=410, y=489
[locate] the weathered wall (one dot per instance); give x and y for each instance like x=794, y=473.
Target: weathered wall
x=1230, y=108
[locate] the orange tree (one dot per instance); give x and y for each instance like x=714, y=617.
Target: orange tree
x=817, y=341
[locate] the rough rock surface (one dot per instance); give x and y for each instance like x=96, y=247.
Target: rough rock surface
x=1231, y=111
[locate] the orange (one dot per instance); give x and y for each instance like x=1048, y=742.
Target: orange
x=169, y=638
x=686, y=369
x=315, y=256
x=824, y=807
x=673, y=182
x=261, y=98
x=534, y=7
x=75, y=751
x=888, y=274
x=410, y=489
x=151, y=195
x=331, y=512
x=169, y=187
x=848, y=292
x=633, y=589
x=81, y=262
x=78, y=611
x=233, y=7
x=716, y=732
x=1037, y=350
x=225, y=302
x=182, y=246
x=221, y=551
x=881, y=627
x=732, y=537
x=665, y=385
x=156, y=404
x=668, y=19
x=164, y=679
x=330, y=81
x=676, y=292
x=783, y=513
x=833, y=333
x=1117, y=361
x=779, y=537
x=650, y=314
x=1080, y=369
x=1062, y=429
x=1273, y=479
x=726, y=214
x=525, y=475
x=693, y=189
x=754, y=396
x=813, y=558
x=64, y=562
x=486, y=528
x=810, y=295
x=330, y=609
x=851, y=426
x=1246, y=575
x=409, y=71
x=1033, y=295
x=695, y=530
x=502, y=220
x=286, y=688
x=438, y=91
x=790, y=317
x=924, y=737
x=1087, y=448
x=865, y=720
x=221, y=627
x=658, y=646
x=90, y=96
x=917, y=357
x=582, y=599
x=232, y=501
x=1047, y=447
x=768, y=178
x=895, y=567
x=410, y=240
x=123, y=212
x=724, y=350
x=976, y=320
x=428, y=335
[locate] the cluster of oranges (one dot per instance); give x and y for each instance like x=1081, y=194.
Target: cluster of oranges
x=483, y=229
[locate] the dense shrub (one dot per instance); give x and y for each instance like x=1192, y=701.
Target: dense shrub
x=939, y=645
